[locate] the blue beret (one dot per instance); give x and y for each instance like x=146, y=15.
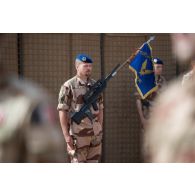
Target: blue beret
x=84, y=58
x=157, y=61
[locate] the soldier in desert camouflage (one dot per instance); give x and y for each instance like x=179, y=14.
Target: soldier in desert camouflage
x=158, y=71
x=84, y=141
x=144, y=105
x=171, y=131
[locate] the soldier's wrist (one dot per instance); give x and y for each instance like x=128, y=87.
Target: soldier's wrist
x=68, y=138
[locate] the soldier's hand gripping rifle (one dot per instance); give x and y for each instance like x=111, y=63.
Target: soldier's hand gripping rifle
x=91, y=97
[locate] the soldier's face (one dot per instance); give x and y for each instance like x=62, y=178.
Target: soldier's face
x=183, y=45
x=158, y=69
x=84, y=69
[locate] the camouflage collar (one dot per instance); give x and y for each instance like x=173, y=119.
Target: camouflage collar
x=83, y=83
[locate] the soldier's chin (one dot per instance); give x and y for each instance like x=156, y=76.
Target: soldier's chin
x=88, y=74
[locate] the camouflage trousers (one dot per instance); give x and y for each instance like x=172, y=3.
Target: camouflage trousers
x=87, y=149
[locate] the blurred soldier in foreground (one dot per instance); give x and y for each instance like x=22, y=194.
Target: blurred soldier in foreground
x=28, y=125
x=84, y=140
x=170, y=134
x=171, y=130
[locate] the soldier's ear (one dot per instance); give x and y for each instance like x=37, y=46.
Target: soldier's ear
x=76, y=65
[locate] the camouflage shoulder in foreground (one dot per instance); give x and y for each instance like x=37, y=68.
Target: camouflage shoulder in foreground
x=171, y=132
x=187, y=77
x=28, y=125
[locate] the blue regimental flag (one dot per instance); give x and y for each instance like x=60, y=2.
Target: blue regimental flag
x=142, y=66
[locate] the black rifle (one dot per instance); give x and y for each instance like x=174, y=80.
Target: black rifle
x=91, y=97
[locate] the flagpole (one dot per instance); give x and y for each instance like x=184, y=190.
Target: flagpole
x=151, y=39
x=130, y=58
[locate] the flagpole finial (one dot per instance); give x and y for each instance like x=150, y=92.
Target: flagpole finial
x=151, y=39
